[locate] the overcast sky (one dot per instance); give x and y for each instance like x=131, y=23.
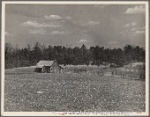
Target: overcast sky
x=74, y=25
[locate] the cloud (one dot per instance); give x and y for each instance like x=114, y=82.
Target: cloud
x=68, y=17
x=142, y=28
x=8, y=34
x=57, y=33
x=40, y=25
x=91, y=23
x=37, y=31
x=54, y=17
x=130, y=24
x=139, y=32
x=133, y=29
x=127, y=25
x=85, y=31
x=83, y=40
x=113, y=42
x=138, y=29
x=133, y=23
x=135, y=10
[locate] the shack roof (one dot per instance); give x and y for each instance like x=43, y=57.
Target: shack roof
x=44, y=63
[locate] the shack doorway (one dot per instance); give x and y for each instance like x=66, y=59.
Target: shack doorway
x=47, y=69
x=39, y=70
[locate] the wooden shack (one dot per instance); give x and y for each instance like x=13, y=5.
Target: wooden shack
x=44, y=66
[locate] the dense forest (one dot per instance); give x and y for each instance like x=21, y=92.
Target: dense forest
x=29, y=56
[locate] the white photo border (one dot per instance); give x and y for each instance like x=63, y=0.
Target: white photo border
x=76, y=113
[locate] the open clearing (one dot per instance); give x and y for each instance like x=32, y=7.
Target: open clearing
x=68, y=91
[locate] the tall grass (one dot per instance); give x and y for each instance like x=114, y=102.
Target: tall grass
x=137, y=72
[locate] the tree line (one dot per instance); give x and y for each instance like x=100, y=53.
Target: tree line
x=95, y=55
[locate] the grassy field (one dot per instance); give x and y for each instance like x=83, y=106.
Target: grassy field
x=76, y=89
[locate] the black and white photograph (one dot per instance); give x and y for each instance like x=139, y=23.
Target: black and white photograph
x=79, y=58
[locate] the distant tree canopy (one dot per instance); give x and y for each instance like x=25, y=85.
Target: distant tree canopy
x=28, y=56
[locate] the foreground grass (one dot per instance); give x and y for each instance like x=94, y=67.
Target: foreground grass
x=29, y=91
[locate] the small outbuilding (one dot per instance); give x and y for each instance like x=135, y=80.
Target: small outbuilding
x=44, y=66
